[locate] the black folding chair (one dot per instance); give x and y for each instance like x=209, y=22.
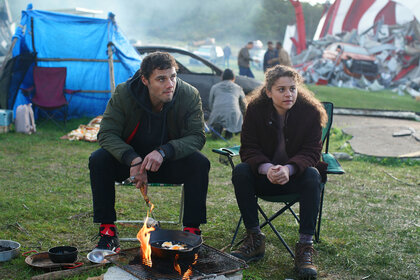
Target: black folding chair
x=228, y=153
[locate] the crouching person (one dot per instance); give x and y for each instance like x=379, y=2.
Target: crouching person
x=280, y=152
x=152, y=130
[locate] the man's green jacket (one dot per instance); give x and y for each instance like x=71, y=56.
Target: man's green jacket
x=184, y=119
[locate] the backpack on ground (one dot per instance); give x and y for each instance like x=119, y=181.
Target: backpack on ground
x=25, y=121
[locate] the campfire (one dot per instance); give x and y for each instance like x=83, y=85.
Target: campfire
x=174, y=254
x=146, y=251
x=187, y=273
x=144, y=237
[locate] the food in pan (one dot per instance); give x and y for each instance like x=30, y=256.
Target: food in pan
x=177, y=246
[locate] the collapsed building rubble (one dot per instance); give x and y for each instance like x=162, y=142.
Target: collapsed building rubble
x=395, y=50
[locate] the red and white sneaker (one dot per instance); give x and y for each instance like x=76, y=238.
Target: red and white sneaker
x=108, y=238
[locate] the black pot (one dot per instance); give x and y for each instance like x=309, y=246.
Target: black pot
x=158, y=236
x=63, y=254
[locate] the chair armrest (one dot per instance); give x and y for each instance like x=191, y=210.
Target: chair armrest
x=334, y=166
x=228, y=151
x=71, y=91
x=27, y=91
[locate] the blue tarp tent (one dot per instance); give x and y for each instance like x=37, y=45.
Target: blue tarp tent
x=80, y=44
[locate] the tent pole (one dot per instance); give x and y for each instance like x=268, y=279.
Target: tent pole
x=8, y=55
x=33, y=40
x=111, y=67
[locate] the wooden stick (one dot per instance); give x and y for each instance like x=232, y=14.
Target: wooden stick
x=66, y=273
x=395, y=178
x=111, y=67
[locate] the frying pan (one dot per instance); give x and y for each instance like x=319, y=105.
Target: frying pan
x=42, y=260
x=158, y=236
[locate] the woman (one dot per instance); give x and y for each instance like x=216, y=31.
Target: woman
x=280, y=151
x=227, y=104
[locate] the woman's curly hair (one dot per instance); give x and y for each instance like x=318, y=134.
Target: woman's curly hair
x=303, y=93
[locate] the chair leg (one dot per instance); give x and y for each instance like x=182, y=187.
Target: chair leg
x=318, y=230
x=281, y=211
x=181, y=209
x=294, y=214
x=236, y=232
x=66, y=111
x=268, y=221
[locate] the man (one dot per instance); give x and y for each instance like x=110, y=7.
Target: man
x=243, y=60
x=269, y=55
x=227, y=104
x=283, y=57
x=226, y=55
x=152, y=129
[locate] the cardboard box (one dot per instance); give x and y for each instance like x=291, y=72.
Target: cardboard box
x=6, y=117
x=5, y=128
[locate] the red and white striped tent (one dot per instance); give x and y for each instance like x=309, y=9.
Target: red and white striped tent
x=347, y=15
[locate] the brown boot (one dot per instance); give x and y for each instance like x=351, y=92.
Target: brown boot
x=253, y=247
x=303, y=260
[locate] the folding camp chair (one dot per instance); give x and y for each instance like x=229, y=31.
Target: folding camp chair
x=49, y=96
x=290, y=199
x=177, y=222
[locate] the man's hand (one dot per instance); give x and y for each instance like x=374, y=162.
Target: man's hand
x=278, y=174
x=152, y=161
x=140, y=176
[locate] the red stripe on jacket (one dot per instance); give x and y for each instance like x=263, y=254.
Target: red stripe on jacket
x=130, y=138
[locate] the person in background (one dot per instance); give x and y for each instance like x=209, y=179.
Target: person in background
x=151, y=131
x=283, y=57
x=227, y=105
x=244, y=61
x=280, y=153
x=226, y=55
x=269, y=55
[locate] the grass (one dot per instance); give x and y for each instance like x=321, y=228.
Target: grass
x=361, y=99
x=370, y=227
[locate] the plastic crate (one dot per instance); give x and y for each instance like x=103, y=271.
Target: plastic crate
x=6, y=117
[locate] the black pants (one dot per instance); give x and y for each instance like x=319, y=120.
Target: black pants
x=192, y=170
x=248, y=186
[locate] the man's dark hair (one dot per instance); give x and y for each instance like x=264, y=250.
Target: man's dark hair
x=228, y=75
x=269, y=43
x=157, y=60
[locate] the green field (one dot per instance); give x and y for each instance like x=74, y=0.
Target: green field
x=370, y=228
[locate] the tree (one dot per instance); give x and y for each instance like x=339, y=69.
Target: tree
x=275, y=15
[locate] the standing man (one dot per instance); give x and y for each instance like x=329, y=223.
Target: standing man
x=152, y=130
x=227, y=105
x=226, y=55
x=269, y=55
x=243, y=60
x=283, y=57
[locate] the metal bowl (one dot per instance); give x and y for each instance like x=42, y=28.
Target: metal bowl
x=7, y=255
x=98, y=255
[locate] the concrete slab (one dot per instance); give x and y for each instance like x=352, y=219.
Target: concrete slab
x=373, y=136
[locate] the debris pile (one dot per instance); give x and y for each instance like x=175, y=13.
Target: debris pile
x=383, y=57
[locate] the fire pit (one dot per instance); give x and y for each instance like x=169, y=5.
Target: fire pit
x=210, y=263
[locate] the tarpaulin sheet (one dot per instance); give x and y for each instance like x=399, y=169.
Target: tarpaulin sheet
x=65, y=36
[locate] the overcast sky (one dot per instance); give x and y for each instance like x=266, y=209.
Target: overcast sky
x=133, y=16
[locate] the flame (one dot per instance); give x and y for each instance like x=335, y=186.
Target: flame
x=176, y=265
x=187, y=273
x=144, y=237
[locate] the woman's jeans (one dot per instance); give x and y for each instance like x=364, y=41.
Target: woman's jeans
x=248, y=186
x=192, y=171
